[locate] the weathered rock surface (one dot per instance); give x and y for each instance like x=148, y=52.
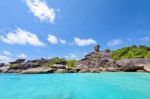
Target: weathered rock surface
x=96, y=60
x=24, y=66
x=95, y=70
x=84, y=70
x=147, y=68
x=38, y=70
x=133, y=64
x=61, y=71
x=4, y=69
x=58, y=66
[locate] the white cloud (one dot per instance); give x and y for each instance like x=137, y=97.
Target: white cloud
x=22, y=56
x=5, y=59
x=52, y=39
x=145, y=39
x=84, y=42
x=114, y=42
x=76, y=55
x=41, y=10
x=62, y=41
x=71, y=56
x=21, y=37
x=6, y=52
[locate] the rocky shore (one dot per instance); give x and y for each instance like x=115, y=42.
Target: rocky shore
x=94, y=62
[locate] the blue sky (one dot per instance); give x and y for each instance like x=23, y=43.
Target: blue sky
x=70, y=28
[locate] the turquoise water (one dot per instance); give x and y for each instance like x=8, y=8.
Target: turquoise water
x=75, y=86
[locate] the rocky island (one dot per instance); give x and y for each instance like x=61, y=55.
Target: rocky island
x=96, y=61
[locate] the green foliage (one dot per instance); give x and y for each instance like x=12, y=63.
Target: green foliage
x=107, y=50
x=55, y=61
x=13, y=65
x=132, y=52
x=71, y=63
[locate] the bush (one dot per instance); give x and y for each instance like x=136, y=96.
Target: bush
x=13, y=65
x=71, y=63
x=132, y=52
x=56, y=60
x=107, y=50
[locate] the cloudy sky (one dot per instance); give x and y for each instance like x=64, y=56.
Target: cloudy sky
x=70, y=28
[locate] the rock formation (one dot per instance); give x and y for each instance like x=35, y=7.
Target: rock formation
x=96, y=59
x=134, y=64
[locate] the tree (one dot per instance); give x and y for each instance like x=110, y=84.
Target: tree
x=107, y=50
x=71, y=63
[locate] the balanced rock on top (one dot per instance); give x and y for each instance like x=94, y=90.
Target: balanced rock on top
x=95, y=59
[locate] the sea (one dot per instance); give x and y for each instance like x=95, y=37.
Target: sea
x=106, y=85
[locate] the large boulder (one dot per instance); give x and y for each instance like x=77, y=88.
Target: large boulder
x=24, y=66
x=133, y=64
x=96, y=59
x=4, y=69
x=147, y=68
x=38, y=70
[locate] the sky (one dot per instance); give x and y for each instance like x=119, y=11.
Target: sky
x=34, y=29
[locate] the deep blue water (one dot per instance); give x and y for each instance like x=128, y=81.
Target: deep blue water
x=75, y=86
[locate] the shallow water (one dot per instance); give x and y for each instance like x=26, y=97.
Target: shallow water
x=75, y=86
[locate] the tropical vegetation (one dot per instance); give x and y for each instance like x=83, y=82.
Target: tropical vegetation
x=131, y=52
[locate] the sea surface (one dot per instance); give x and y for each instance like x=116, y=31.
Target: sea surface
x=75, y=86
